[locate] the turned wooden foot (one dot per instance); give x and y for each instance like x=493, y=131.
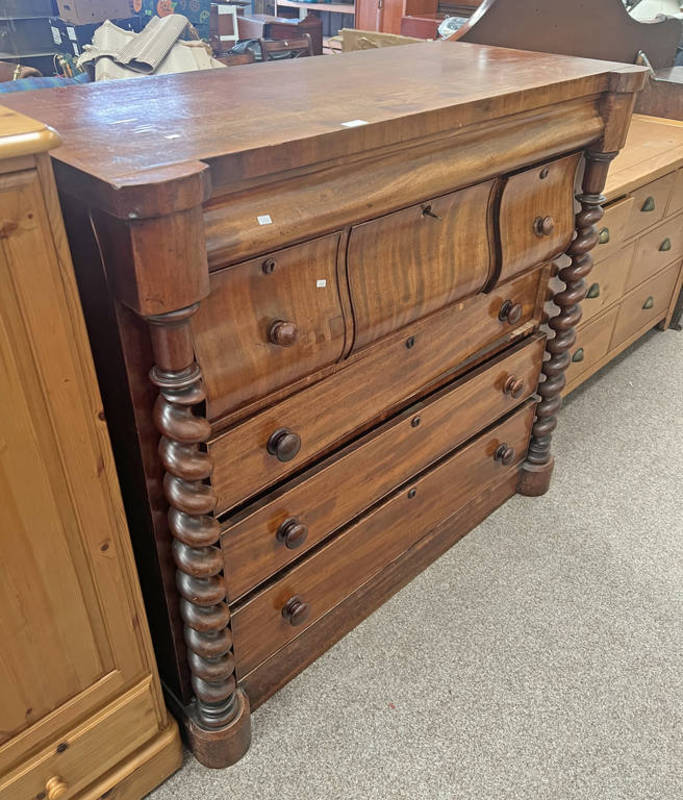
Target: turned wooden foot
x=534, y=479
x=220, y=747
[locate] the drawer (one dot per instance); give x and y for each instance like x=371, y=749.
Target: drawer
x=592, y=343
x=268, y=322
x=676, y=199
x=86, y=753
x=612, y=228
x=649, y=204
x=606, y=282
x=276, y=530
x=537, y=215
x=408, y=264
x=656, y=249
x=367, y=390
x=645, y=305
x=275, y=615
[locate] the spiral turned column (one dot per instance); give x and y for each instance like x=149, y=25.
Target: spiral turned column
x=537, y=469
x=220, y=705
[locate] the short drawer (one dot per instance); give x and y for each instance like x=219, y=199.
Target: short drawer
x=676, y=199
x=268, y=322
x=606, y=282
x=649, y=204
x=592, y=343
x=408, y=264
x=612, y=228
x=656, y=249
x=274, y=616
x=267, y=536
x=537, y=215
x=292, y=433
x=645, y=305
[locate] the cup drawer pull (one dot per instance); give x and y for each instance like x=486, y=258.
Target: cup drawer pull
x=578, y=355
x=648, y=303
x=593, y=292
x=603, y=236
x=649, y=204
x=665, y=245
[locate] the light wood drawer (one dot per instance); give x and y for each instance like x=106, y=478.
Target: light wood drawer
x=592, y=343
x=655, y=250
x=268, y=322
x=276, y=615
x=676, y=201
x=292, y=433
x=606, y=283
x=537, y=215
x=267, y=536
x=645, y=305
x=649, y=204
x=612, y=228
x=408, y=264
x=87, y=752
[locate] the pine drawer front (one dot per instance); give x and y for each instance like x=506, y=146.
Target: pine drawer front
x=645, y=305
x=278, y=529
x=536, y=215
x=413, y=262
x=655, y=250
x=71, y=763
x=592, y=343
x=268, y=322
x=676, y=200
x=368, y=389
x=606, y=283
x=650, y=204
x=274, y=616
x=612, y=228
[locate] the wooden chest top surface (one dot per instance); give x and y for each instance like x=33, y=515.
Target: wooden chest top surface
x=127, y=132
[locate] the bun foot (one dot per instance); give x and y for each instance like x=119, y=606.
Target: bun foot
x=534, y=479
x=220, y=747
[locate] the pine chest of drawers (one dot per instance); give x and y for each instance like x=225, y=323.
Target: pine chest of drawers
x=316, y=321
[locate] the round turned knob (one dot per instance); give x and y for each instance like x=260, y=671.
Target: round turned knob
x=505, y=454
x=510, y=312
x=513, y=386
x=283, y=333
x=284, y=444
x=293, y=533
x=544, y=226
x=296, y=611
x=55, y=788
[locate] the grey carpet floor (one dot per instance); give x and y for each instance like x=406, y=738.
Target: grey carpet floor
x=541, y=657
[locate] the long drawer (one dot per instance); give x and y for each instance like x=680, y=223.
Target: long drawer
x=273, y=532
x=278, y=613
x=282, y=439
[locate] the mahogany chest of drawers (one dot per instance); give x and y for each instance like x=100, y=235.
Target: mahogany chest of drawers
x=316, y=322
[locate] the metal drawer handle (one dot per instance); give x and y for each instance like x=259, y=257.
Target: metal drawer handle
x=427, y=212
x=648, y=303
x=594, y=291
x=649, y=204
x=603, y=236
x=665, y=245
x=578, y=355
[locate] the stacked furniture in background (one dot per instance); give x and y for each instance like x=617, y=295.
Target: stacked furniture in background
x=81, y=709
x=317, y=328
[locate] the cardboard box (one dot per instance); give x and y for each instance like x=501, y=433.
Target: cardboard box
x=84, y=12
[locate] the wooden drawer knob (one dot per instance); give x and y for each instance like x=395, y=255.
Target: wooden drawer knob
x=296, y=611
x=649, y=204
x=55, y=788
x=292, y=533
x=513, y=386
x=284, y=444
x=603, y=236
x=578, y=355
x=593, y=292
x=544, y=226
x=283, y=333
x=648, y=303
x=505, y=454
x=510, y=312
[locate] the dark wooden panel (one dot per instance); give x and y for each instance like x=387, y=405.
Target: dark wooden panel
x=262, y=625
x=408, y=264
x=370, y=468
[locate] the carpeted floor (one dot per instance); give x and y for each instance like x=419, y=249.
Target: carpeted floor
x=541, y=657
